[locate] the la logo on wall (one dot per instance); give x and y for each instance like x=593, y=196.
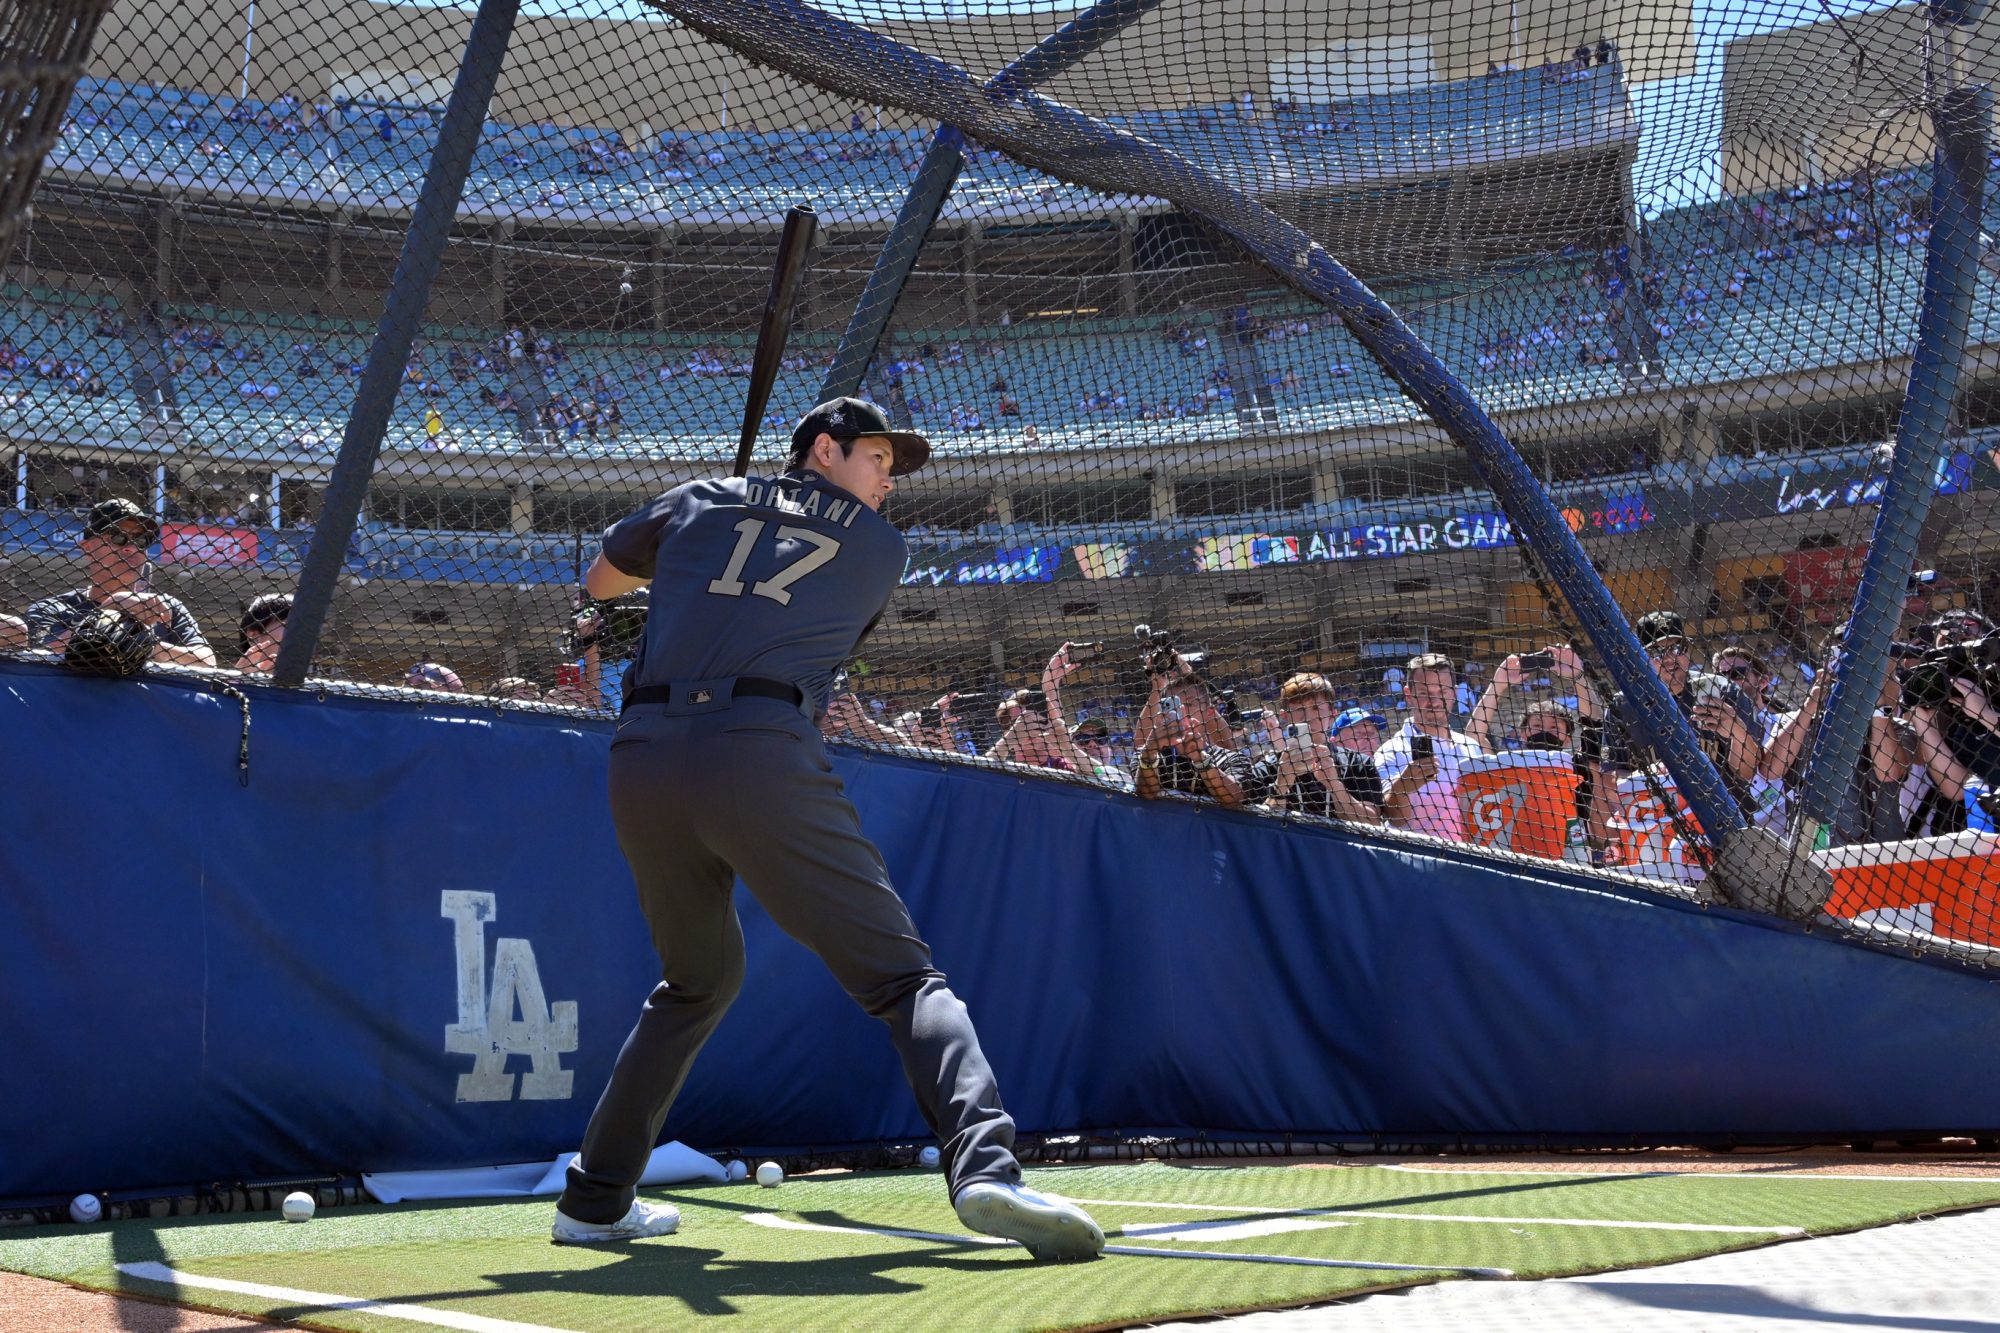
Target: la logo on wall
x=514, y=1017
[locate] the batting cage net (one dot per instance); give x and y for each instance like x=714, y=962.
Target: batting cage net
x=1562, y=427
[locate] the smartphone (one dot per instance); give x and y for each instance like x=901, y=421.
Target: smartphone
x=1710, y=689
x=1251, y=716
x=1298, y=736
x=1032, y=701
x=1537, y=661
x=930, y=717
x=1172, y=710
x=1079, y=653
x=1422, y=747
x=568, y=673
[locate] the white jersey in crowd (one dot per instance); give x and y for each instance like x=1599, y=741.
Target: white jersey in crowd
x=1434, y=807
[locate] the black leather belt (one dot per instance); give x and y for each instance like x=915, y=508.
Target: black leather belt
x=752, y=685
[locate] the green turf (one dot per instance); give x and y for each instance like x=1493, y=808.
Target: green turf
x=725, y=1272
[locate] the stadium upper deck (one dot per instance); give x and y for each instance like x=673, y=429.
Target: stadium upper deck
x=1823, y=283
x=347, y=155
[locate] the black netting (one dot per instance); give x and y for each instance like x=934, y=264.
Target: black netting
x=1676, y=254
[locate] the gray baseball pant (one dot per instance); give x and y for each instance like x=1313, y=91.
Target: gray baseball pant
x=695, y=797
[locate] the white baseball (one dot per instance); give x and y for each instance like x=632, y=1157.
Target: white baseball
x=929, y=1157
x=735, y=1169
x=770, y=1175
x=298, y=1206
x=86, y=1208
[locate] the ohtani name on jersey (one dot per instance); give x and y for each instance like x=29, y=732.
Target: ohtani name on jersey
x=808, y=501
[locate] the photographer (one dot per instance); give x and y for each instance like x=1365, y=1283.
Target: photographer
x=116, y=537
x=1949, y=696
x=1421, y=760
x=1031, y=737
x=847, y=716
x=1184, y=743
x=604, y=639
x=1560, y=661
x=1085, y=747
x=1308, y=772
x=1724, y=718
x=1868, y=810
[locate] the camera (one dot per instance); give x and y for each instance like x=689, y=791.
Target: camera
x=621, y=623
x=1928, y=683
x=1156, y=651
x=1712, y=689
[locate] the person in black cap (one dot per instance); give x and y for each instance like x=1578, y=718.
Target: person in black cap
x=1723, y=715
x=116, y=536
x=763, y=586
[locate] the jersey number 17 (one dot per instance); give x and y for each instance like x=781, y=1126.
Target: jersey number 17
x=779, y=586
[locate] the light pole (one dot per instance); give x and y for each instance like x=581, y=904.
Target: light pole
x=249, y=34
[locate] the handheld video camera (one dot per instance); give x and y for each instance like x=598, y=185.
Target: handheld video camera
x=1928, y=683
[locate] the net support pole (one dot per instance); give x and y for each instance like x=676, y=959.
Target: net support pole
x=1944, y=322
x=938, y=172
x=833, y=52
x=409, y=293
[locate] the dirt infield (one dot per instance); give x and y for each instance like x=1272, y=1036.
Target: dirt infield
x=32, y=1303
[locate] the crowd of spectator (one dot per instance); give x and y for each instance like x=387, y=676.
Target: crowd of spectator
x=1530, y=757
x=1535, y=759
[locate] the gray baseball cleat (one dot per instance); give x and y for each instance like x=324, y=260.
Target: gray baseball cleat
x=1051, y=1227
x=641, y=1220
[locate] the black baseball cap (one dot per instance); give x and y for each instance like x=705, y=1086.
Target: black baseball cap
x=850, y=419
x=1657, y=625
x=108, y=514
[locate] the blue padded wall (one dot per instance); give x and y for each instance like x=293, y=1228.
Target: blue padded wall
x=209, y=981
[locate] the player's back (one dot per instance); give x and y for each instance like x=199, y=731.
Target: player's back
x=775, y=577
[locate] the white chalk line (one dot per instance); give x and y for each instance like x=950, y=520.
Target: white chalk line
x=1679, y=1175
x=1451, y=1217
x=320, y=1300
x=777, y=1223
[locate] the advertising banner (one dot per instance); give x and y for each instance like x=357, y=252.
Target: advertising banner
x=207, y=545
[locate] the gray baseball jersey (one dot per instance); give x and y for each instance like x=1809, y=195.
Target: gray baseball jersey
x=776, y=577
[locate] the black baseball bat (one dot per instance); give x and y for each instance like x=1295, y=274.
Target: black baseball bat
x=794, y=249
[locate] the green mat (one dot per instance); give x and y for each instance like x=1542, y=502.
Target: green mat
x=814, y=1252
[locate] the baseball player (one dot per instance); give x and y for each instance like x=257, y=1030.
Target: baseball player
x=762, y=587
